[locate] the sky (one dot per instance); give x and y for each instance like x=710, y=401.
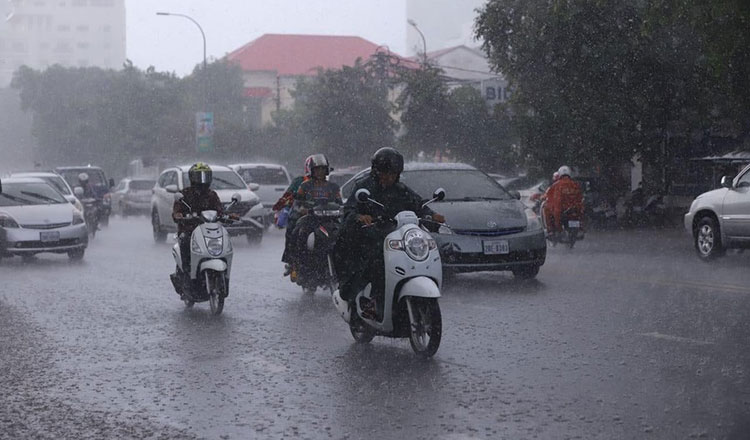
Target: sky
x=174, y=44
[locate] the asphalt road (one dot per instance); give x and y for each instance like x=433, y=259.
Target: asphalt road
x=626, y=336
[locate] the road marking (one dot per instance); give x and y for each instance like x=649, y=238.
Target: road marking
x=676, y=338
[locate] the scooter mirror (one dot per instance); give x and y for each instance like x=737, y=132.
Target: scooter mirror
x=172, y=189
x=178, y=196
x=78, y=191
x=439, y=194
x=362, y=195
x=236, y=198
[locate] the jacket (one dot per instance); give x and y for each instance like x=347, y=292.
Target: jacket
x=199, y=201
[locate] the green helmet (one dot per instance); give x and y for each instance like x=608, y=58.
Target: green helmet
x=200, y=175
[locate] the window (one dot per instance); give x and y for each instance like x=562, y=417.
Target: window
x=744, y=181
x=490, y=93
x=82, y=28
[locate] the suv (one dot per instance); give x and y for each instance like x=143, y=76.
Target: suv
x=98, y=181
x=720, y=219
x=226, y=182
x=133, y=196
x=269, y=181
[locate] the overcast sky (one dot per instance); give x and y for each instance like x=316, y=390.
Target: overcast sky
x=174, y=44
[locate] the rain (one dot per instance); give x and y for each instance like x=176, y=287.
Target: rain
x=374, y=219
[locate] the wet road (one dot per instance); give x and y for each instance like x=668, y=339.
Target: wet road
x=626, y=336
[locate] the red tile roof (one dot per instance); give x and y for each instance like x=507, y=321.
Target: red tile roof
x=257, y=92
x=301, y=54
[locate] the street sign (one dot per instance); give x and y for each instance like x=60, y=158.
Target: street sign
x=204, y=132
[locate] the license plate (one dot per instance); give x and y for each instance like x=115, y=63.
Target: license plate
x=49, y=236
x=496, y=247
x=574, y=223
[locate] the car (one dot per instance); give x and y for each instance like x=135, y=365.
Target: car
x=35, y=218
x=56, y=181
x=98, y=181
x=133, y=196
x=226, y=182
x=490, y=228
x=341, y=176
x=268, y=181
x=720, y=219
x=526, y=187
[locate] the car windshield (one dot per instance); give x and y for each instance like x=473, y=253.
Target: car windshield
x=141, y=185
x=96, y=177
x=340, y=179
x=264, y=176
x=58, y=183
x=32, y=193
x=220, y=180
x=458, y=184
x=519, y=183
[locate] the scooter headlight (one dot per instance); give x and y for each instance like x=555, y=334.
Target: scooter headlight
x=416, y=244
x=215, y=246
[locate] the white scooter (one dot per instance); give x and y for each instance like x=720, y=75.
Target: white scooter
x=413, y=279
x=210, y=261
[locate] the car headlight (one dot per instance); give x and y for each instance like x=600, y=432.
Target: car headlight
x=195, y=247
x=78, y=218
x=416, y=244
x=6, y=221
x=532, y=221
x=215, y=246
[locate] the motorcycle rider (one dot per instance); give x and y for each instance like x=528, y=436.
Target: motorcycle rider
x=200, y=197
x=88, y=190
x=563, y=195
x=314, y=191
x=287, y=199
x=358, y=253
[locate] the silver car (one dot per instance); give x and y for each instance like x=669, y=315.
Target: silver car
x=36, y=218
x=133, y=196
x=56, y=181
x=720, y=219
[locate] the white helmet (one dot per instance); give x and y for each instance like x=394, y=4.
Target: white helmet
x=83, y=177
x=564, y=171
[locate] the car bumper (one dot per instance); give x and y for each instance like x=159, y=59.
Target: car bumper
x=246, y=226
x=465, y=253
x=689, y=222
x=22, y=241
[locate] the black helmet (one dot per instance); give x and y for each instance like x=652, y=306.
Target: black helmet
x=314, y=161
x=387, y=160
x=200, y=175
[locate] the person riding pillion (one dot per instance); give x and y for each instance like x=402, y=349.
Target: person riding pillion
x=358, y=253
x=200, y=197
x=564, y=196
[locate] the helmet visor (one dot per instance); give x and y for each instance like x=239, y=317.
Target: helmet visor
x=200, y=177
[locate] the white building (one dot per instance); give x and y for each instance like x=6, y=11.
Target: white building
x=71, y=33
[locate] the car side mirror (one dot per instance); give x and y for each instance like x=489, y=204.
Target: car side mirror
x=516, y=195
x=438, y=195
x=78, y=191
x=726, y=181
x=253, y=186
x=172, y=189
x=111, y=182
x=362, y=195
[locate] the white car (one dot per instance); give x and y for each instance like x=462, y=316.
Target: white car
x=267, y=180
x=36, y=218
x=133, y=196
x=56, y=181
x=720, y=219
x=226, y=182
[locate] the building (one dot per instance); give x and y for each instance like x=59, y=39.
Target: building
x=273, y=63
x=71, y=33
x=463, y=65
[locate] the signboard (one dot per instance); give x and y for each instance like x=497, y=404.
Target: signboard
x=204, y=132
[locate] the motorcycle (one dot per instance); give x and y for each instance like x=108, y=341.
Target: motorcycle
x=413, y=279
x=210, y=260
x=316, y=264
x=572, y=228
x=91, y=211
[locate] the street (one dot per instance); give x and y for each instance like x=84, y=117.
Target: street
x=628, y=335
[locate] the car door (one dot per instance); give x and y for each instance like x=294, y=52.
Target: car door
x=163, y=205
x=736, y=209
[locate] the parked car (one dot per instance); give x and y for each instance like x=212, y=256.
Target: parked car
x=490, y=229
x=268, y=181
x=36, y=218
x=56, y=181
x=98, y=181
x=133, y=196
x=226, y=182
x=720, y=219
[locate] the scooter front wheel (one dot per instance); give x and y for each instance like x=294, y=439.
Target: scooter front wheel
x=426, y=325
x=216, y=287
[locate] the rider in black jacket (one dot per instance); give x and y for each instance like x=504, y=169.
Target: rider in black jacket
x=358, y=253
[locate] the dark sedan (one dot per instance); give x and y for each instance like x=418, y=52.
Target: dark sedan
x=490, y=229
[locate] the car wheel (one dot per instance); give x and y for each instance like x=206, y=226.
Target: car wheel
x=526, y=272
x=76, y=255
x=708, y=239
x=159, y=235
x=255, y=238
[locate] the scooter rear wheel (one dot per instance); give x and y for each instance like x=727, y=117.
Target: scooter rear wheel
x=360, y=331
